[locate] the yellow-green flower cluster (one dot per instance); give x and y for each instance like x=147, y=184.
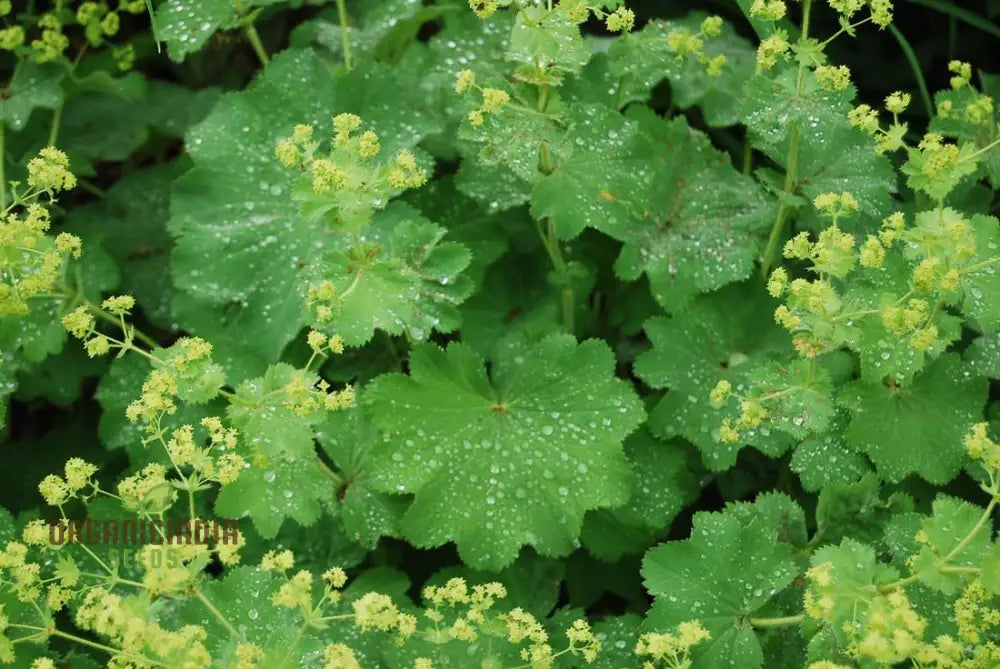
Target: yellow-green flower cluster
x=157, y=398
x=833, y=251
x=893, y=631
x=147, y=489
x=686, y=43
x=671, y=650
x=184, y=450
x=768, y=10
x=119, y=620
x=22, y=575
x=58, y=490
x=98, y=22
x=51, y=44
x=962, y=74
x=981, y=448
x=866, y=119
x=31, y=262
x=833, y=77
x=978, y=620
x=484, y=9
x=305, y=396
x=771, y=48
x=494, y=99
x=621, y=20
x=350, y=174
x=49, y=171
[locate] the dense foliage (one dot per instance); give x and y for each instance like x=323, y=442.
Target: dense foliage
x=500, y=333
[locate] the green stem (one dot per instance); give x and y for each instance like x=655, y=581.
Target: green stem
x=972, y=533
x=3, y=164
x=561, y=267
x=911, y=58
x=258, y=47
x=91, y=188
x=105, y=316
x=345, y=40
x=152, y=24
x=777, y=622
x=85, y=642
x=56, y=123
x=218, y=614
x=791, y=164
x=329, y=473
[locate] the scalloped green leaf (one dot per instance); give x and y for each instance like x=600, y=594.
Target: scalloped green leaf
x=917, y=429
x=724, y=573
x=516, y=458
x=663, y=485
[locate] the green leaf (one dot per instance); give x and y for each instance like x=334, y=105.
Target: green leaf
x=516, y=300
x=601, y=185
x=59, y=377
x=642, y=59
x=618, y=636
x=832, y=155
x=130, y=224
x=467, y=224
x=370, y=23
x=513, y=140
x=724, y=573
x=773, y=512
x=917, y=428
x=983, y=355
x=241, y=244
x=663, y=485
x=368, y=514
x=499, y=463
x=186, y=25
x=284, y=487
x=981, y=280
x=285, y=479
x=32, y=87
x=689, y=221
x=951, y=522
x=725, y=335
x=990, y=574
x=544, y=38
x=826, y=458
x=412, y=285
x=243, y=596
x=857, y=509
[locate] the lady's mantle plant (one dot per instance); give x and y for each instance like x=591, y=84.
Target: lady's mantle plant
x=495, y=334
